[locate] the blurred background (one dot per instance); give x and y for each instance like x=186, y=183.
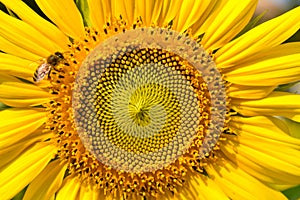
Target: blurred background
x=275, y=7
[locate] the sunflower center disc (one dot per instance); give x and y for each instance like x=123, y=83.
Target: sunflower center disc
x=134, y=110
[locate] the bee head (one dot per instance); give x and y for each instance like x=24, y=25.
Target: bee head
x=55, y=58
x=60, y=55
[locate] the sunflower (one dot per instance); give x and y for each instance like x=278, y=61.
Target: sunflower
x=147, y=99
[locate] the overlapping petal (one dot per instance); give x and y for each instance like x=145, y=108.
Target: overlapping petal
x=47, y=183
x=168, y=12
x=65, y=15
x=90, y=192
x=21, y=171
x=70, y=188
x=269, y=129
x=10, y=153
x=125, y=9
x=249, y=92
x=149, y=10
x=264, y=36
x=276, y=104
x=200, y=187
x=100, y=12
x=265, y=151
x=259, y=163
x=16, y=66
x=17, y=124
x=20, y=94
x=183, y=19
x=237, y=184
x=25, y=36
x=13, y=49
x=271, y=67
x=32, y=18
x=224, y=24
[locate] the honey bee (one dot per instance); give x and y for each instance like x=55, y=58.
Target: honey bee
x=46, y=65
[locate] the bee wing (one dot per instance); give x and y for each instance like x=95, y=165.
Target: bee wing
x=37, y=63
x=41, y=72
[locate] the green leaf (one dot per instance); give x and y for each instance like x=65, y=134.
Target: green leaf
x=3, y=106
x=6, y=10
x=295, y=37
x=20, y=195
x=294, y=127
x=285, y=87
x=11, y=13
x=292, y=193
x=85, y=11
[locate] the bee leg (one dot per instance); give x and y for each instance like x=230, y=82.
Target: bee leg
x=55, y=67
x=49, y=75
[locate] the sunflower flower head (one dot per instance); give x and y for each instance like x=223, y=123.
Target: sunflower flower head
x=147, y=100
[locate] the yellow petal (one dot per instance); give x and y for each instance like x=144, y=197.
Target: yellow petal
x=200, y=187
x=124, y=8
x=269, y=153
x=17, y=124
x=210, y=11
x=227, y=23
x=19, y=173
x=89, y=192
x=272, y=78
x=282, y=51
x=265, y=130
x=7, y=78
x=276, y=164
x=264, y=36
x=267, y=127
x=10, y=153
x=24, y=102
x=209, y=15
x=253, y=168
x=279, y=186
x=278, y=65
x=13, y=117
x=25, y=90
x=69, y=189
x=249, y=92
x=100, y=11
x=237, y=184
x=65, y=15
x=11, y=48
x=47, y=182
x=149, y=10
x=32, y=66
x=19, y=94
x=25, y=36
x=276, y=104
x=168, y=11
x=31, y=17
x=15, y=66
x=190, y=12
